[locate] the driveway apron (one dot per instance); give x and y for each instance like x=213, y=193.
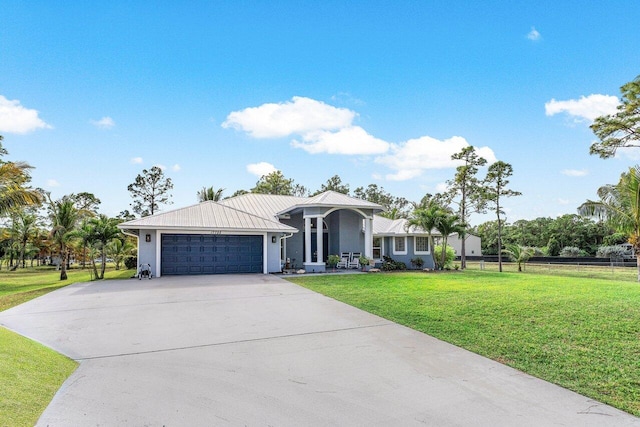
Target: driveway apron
x=257, y=350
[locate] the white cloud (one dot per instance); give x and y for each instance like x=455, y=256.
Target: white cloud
x=52, y=183
x=176, y=168
x=14, y=118
x=298, y=116
x=104, y=123
x=586, y=108
x=442, y=187
x=574, y=172
x=410, y=159
x=261, y=169
x=533, y=34
x=349, y=140
x=136, y=160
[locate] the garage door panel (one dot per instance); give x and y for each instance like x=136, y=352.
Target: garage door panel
x=207, y=254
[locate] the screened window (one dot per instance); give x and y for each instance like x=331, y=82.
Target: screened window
x=400, y=245
x=421, y=244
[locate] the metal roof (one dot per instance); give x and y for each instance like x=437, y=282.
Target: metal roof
x=395, y=227
x=208, y=216
x=333, y=199
x=263, y=205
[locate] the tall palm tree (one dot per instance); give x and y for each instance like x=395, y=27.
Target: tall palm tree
x=64, y=217
x=619, y=206
x=105, y=230
x=427, y=218
x=210, y=194
x=446, y=225
x=24, y=227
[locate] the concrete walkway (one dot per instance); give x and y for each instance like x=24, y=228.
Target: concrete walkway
x=257, y=350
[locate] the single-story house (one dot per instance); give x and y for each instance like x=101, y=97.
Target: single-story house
x=263, y=233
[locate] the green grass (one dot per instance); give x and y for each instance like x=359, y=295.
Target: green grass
x=583, y=334
x=30, y=373
x=23, y=285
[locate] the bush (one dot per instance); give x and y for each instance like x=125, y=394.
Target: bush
x=611, y=252
x=571, y=252
x=389, y=264
x=417, y=262
x=131, y=263
x=450, y=255
x=614, y=239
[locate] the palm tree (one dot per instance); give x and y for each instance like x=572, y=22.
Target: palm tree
x=24, y=228
x=210, y=194
x=119, y=250
x=13, y=193
x=64, y=217
x=448, y=224
x=105, y=230
x=519, y=254
x=619, y=206
x=427, y=218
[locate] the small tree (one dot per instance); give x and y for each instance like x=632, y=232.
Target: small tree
x=447, y=225
x=150, y=190
x=274, y=183
x=495, y=188
x=333, y=184
x=519, y=254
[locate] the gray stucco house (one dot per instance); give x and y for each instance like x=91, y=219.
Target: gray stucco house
x=261, y=233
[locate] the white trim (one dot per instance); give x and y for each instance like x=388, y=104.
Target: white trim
x=265, y=253
x=416, y=251
x=158, y=253
x=393, y=248
x=347, y=209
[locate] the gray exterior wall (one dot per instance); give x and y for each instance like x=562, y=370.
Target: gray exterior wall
x=147, y=250
x=351, y=237
x=295, y=242
x=273, y=253
x=388, y=251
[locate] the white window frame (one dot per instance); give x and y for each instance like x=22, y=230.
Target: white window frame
x=415, y=249
x=381, y=247
x=395, y=252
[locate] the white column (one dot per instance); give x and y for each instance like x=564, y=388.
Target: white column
x=307, y=240
x=368, y=238
x=319, y=239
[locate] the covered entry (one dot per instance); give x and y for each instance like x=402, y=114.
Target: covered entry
x=183, y=254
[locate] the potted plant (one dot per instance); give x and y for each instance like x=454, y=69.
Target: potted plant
x=364, y=262
x=332, y=261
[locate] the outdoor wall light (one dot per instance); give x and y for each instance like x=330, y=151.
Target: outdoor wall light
x=147, y=238
x=273, y=239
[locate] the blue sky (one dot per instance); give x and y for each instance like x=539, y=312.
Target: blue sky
x=376, y=92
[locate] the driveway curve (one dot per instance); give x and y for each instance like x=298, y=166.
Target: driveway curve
x=257, y=350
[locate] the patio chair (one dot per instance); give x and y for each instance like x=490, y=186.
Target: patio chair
x=344, y=260
x=355, y=260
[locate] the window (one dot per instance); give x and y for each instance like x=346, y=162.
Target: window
x=399, y=245
x=421, y=245
x=377, y=248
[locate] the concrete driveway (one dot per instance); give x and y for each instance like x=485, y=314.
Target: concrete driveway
x=257, y=350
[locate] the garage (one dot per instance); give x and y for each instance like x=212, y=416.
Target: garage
x=186, y=254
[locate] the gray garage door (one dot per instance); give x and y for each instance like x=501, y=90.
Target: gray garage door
x=211, y=254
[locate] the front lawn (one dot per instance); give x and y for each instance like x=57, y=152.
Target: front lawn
x=583, y=334
x=30, y=373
